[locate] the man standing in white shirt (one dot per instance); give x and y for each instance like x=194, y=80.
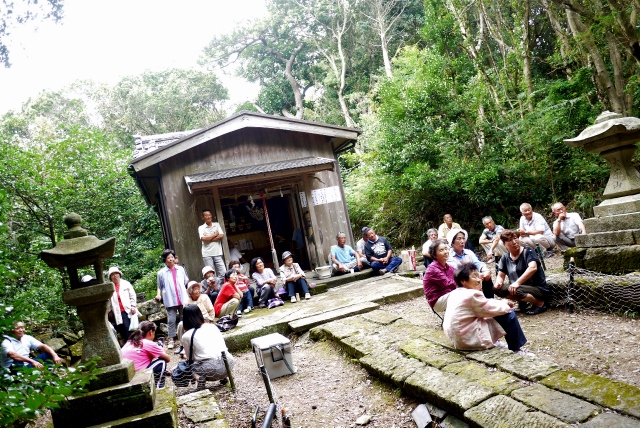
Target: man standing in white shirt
x=566, y=226
x=534, y=229
x=211, y=235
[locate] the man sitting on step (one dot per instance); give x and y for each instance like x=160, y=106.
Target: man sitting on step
x=344, y=259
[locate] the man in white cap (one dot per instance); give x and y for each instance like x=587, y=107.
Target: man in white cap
x=457, y=239
x=209, y=284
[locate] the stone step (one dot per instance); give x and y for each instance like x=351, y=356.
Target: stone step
x=123, y=401
x=338, y=302
x=612, y=223
x=163, y=415
x=609, y=393
x=308, y=323
x=609, y=239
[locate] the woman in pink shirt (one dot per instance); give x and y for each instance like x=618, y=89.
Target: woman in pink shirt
x=438, y=279
x=145, y=353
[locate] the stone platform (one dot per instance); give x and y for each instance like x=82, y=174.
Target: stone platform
x=492, y=388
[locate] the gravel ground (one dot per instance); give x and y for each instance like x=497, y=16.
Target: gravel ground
x=331, y=390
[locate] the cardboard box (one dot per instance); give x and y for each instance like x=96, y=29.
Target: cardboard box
x=274, y=351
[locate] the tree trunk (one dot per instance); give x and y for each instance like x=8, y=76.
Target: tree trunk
x=602, y=75
x=526, y=60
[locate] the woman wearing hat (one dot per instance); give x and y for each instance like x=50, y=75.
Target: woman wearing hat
x=209, y=284
x=194, y=290
x=123, y=302
x=457, y=239
x=292, y=275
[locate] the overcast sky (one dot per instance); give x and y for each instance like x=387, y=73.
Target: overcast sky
x=105, y=40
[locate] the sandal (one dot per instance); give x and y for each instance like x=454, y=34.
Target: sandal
x=537, y=310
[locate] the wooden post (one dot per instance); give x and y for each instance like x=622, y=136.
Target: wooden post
x=314, y=222
x=220, y=218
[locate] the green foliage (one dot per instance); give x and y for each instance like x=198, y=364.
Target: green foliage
x=160, y=102
x=48, y=168
x=27, y=393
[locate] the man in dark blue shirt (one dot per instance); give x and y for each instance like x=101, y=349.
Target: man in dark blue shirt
x=378, y=251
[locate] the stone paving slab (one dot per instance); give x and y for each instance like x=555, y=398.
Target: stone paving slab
x=491, y=357
x=562, y=406
x=527, y=367
x=504, y=412
x=500, y=382
x=307, y=323
x=193, y=396
x=452, y=422
x=390, y=366
x=203, y=410
x=611, y=420
x=609, y=393
x=360, y=345
x=260, y=322
x=380, y=317
x=430, y=353
x=451, y=392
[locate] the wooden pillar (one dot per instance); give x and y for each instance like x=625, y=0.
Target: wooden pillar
x=314, y=222
x=220, y=218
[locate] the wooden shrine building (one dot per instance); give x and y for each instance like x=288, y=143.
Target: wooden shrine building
x=236, y=166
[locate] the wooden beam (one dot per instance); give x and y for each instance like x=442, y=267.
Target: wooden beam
x=220, y=218
x=314, y=222
x=260, y=177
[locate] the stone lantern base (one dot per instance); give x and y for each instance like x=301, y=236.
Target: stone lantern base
x=613, y=242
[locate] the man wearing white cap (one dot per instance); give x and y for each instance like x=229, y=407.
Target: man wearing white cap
x=209, y=284
x=457, y=239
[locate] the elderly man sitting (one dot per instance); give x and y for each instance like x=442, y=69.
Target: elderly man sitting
x=343, y=258
x=566, y=226
x=360, y=248
x=490, y=238
x=534, y=229
x=378, y=251
x=16, y=348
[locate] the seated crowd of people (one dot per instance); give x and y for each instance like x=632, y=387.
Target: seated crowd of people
x=455, y=282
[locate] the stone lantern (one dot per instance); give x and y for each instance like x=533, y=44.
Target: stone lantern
x=119, y=394
x=612, y=242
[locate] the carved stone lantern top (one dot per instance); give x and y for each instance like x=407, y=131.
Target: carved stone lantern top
x=611, y=130
x=79, y=249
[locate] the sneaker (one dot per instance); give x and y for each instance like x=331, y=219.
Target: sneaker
x=307, y=296
x=179, y=350
x=293, y=299
x=170, y=344
x=183, y=355
x=549, y=254
x=524, y=353
x=382, y=271
x=262, y=306
x=246, y=311
x=501, y=345
x=351, y=270
x=224, y=381
x=239, y=312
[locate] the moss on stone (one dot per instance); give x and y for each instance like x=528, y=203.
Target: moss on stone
x=430, y=353
x=597, y=389
x=500, y=382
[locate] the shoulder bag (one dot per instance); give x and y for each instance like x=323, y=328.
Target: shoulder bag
x=182, y=374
